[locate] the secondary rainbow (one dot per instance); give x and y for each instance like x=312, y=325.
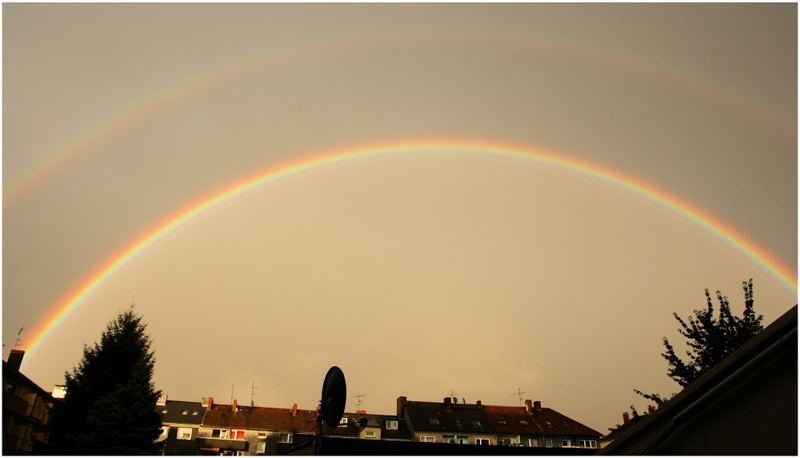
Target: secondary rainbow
x=138, y=111
x=273, y=172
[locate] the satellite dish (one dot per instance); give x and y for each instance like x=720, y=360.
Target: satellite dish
x=334, y=396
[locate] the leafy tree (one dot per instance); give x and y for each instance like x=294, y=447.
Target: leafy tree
x=109, y=407
x=709, y=339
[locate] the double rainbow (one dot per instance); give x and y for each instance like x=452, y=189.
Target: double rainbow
x=127, y=252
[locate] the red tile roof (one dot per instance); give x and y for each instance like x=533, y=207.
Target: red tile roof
x=261, y=418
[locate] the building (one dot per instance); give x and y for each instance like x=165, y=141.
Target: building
x=248, y=430
x=488, y=425
x=362, y=425
x=537, y=426
x=446, y=422
x=181, y=422
x=745, y=405
x=26, y=408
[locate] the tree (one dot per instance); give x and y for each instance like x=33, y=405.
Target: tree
x=709, y=340
x=109, y=406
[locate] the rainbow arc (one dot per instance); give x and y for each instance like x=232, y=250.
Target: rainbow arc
x=131, y=249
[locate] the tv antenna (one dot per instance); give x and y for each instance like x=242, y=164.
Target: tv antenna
x=18, y=342
x=232, y=388
x=252, y=393
x=358, y=401
x=520, y=393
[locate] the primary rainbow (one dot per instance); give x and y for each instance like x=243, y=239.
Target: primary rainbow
x=61, y=311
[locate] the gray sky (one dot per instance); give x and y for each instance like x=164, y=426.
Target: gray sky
x=416, y=273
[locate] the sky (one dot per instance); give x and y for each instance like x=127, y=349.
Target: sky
x=420, y=272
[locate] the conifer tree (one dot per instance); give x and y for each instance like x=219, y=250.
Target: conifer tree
x=109, y=406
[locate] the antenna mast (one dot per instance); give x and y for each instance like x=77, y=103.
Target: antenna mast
x=520, y=393
x=18, y=342
x=252, y=393
x=358, y=401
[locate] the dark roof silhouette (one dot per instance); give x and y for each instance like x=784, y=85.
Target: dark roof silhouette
x=182, y=412
x=263, y=418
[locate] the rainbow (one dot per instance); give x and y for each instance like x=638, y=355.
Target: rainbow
x=274, y=172
x=138, y=111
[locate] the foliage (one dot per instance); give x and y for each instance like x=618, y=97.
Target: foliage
x=709, y=339
x=109, y=406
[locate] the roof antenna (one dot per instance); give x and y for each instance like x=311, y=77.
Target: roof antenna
x=18, y=342
x=232, y=387
x=358, y=402
x=252, y=393
x=520, y=393
x=453, y=395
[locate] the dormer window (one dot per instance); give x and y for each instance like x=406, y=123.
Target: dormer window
x=391, y=424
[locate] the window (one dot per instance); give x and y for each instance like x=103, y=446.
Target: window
x=523, y=422
x=391, y=424
x=476, y=423
x=369, y=433
x=285, y=438
x=427, y=438
x=434, y=421
x=185, y=412
x=184, y=434
x=237, y=434
x=533, y=442
x=482, y=441
x=262, y=436
x=502, y=421
x=219, y=433
x=194, y=413
x=548, y=443
x=455, y=439
x=587, y=443
x=261, y=447
x=343, y=421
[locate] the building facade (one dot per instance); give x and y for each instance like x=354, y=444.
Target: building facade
x=26, y=409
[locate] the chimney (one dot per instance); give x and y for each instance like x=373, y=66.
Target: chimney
x=625, y=417
x=209, y=404
x=528, y=406
x=162, y=400
x=235, y=406
x=15, y=359
x=447, y=401
x=651, y=409
x=294, y=409
x=478, y=402
x=401, y=406
x=537, y=404
x=361, y=412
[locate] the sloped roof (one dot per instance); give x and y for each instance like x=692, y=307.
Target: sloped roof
x=440, y=417
x=515, y=419
x=541, y=420
x=261, y=418
x=657, y=427
x=553, y=422
x=374, y=421
x=181, y=412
